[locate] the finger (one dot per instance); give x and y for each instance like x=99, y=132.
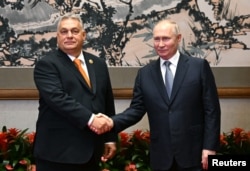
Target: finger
x=103, y=159
x=204, y=164
x=110, y=151
x=97, y=131
x=93, y=129
x=110, y=123
x=100, y=115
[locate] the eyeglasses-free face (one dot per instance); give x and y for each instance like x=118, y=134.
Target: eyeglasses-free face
x=166, y=41
x=70, y=36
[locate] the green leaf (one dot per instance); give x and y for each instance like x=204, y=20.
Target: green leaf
x=4, y=129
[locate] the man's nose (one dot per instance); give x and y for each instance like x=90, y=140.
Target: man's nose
x=69, y=34
x=161, y=42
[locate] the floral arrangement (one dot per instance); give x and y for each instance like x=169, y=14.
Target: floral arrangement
x=235, y=142
x=132, y=153
x=132, y=149
x=16, y=150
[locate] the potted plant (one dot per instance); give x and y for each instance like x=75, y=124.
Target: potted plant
x=132, y=153
x=132, y=149
x=16, y=150
x=236, y=142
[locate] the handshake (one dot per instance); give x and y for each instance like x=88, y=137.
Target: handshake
x=101, y=123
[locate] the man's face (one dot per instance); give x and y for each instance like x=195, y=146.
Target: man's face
x=70, y=37
x=165, y=40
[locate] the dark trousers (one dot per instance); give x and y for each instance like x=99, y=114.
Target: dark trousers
x=44, y=165
x=175, y=167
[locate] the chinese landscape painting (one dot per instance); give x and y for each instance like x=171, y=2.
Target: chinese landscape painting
x=120, y=31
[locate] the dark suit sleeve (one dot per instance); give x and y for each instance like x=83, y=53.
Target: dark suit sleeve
x=136, y=110
x=211, y=109
x=48, y=80
x=110, y=109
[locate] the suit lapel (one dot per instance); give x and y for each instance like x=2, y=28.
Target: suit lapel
x=90, y=65
x=70, y=65
x=157, y=79
x=179, y=75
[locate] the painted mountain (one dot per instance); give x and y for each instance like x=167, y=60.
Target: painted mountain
x=120, y=31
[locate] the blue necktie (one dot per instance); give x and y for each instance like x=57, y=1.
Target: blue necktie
x=168, y=78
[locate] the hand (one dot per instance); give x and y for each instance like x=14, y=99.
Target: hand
x=101, y=124
x=204, y=160
x=109, y=151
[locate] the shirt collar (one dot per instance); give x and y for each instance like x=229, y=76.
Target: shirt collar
x=81, y=57
x=174, y=60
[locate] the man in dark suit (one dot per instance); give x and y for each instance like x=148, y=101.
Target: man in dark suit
x=68, y=104
x=184, y=124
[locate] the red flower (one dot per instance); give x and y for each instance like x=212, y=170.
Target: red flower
x=124, y=138
x=130, y=167
x=238, y=132
x=23, y=162
x=13, y=132
x=248, y=134
x=235, y=142
x=132, y=152
x=3, y=142
x=31, y=137
x=146, y=136
x=138, y=134
x=9, y=167
x=142, y=135
x=16, y=146
x=223, y=140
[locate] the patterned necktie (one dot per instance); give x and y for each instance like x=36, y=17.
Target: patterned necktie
x=168, y=78
x=78, y=65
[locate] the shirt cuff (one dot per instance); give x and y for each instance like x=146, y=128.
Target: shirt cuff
x=91, y=119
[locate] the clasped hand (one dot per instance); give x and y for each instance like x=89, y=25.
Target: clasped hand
x=101, y=123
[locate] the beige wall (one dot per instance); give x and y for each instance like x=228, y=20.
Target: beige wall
x=23, y=114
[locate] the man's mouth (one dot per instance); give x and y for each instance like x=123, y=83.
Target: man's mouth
x=69, y=43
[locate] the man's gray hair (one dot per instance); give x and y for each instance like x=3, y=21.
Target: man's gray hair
x=70, y=16
x=169, y=21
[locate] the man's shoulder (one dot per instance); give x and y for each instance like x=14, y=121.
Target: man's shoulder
x=192, y=59
x=48, y=55
x=94, y=58
x=152, y=63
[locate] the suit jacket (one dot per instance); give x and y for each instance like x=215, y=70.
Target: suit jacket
x=180, y=127
x=65, y=106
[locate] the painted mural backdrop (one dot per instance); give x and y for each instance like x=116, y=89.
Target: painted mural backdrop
x=121, y=30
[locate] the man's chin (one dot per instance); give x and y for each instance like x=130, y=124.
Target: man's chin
x=69, y=50
x=69, y=47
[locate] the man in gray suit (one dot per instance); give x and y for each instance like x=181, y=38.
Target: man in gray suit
x=68, y=104
x=185, y=122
